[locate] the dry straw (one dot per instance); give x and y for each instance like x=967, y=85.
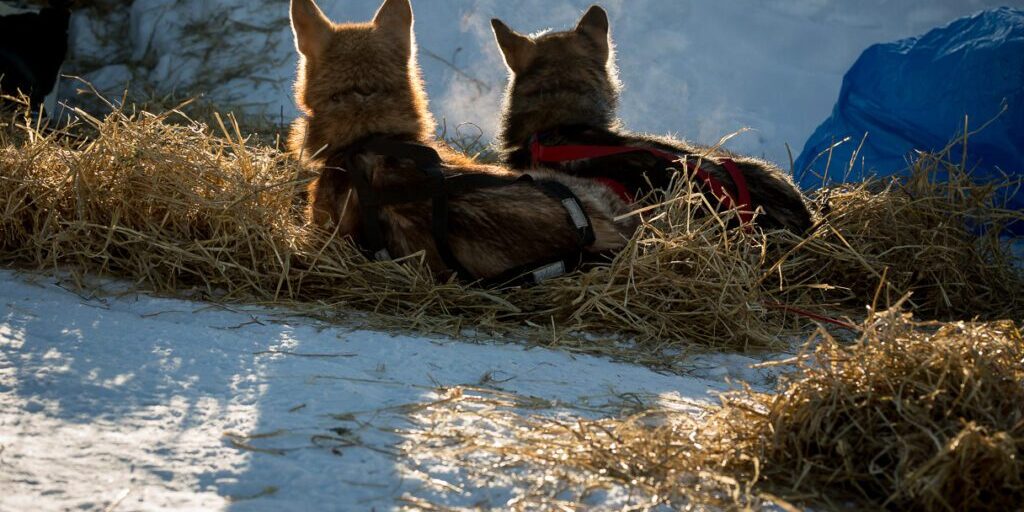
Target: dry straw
x=180, y=208
x=913, y=416
x=938, y=234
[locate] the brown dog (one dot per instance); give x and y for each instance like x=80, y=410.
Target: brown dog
x=360, y=81
x=564, y=91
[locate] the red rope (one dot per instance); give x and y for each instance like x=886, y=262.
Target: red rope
x=812, y=315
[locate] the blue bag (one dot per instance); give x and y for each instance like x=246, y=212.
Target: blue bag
x=914, y=94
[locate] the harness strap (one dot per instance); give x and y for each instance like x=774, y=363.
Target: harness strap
x=573, y=208
x=542, y=154
x=744, y=206
x=439, y=223
x=453, y=184
x=369, y=211
x=618, y=188
x=532, y=274
x=424, y=156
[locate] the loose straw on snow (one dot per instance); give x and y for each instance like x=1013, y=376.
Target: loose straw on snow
x=913, y=416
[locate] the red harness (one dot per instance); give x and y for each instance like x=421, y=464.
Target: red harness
x=542, y=154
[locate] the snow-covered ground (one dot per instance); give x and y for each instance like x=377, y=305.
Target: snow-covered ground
x=153, y=404
x=699, y=68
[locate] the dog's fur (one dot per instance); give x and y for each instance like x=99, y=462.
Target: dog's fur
x=359, y=80
x=567, y=83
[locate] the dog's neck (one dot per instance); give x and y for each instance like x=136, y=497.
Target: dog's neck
x=314, y=140
x=524, y=118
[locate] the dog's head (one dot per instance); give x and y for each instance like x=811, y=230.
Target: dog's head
x=357, y=79
x=557, y=78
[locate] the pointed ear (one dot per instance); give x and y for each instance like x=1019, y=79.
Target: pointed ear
x=394, y=18
x=312, y=29
x=517, y=49
x=595, y=26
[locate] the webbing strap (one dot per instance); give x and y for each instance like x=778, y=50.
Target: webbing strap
x=743, y=203
x=439, y=223
x=533, y=274
x=424, y=156
x=369, y=203
x=574, y=209
x=369, y=211
x=453, y=184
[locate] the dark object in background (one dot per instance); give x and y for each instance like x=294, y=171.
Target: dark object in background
x=32, y=49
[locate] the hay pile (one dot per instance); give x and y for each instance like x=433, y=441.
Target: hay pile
x=937, y=234
x=916, y=416
x=911, y=417
x=183, y=209
x=178, y=210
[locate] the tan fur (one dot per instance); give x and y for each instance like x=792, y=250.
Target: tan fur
x=358, y=80
x=361, y=79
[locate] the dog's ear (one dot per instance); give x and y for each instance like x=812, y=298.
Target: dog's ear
x=517, y=49
x=594, y=25
x=312, y=29
x=394, y=18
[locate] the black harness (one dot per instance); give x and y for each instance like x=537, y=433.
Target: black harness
x=441, y=186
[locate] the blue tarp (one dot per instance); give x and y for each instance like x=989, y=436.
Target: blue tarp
x=914, y=94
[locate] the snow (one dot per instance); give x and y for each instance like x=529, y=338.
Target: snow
x=699, y=68
x=138, y=398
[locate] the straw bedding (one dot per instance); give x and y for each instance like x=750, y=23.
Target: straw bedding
x=180, y=208
x=937, y=234
x=918, y=416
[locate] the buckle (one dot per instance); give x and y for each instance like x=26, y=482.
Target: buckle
x=575, y=209
x=548, y=272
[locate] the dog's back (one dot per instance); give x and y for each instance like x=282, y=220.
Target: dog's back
x=646, y=175
x=494, y=229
